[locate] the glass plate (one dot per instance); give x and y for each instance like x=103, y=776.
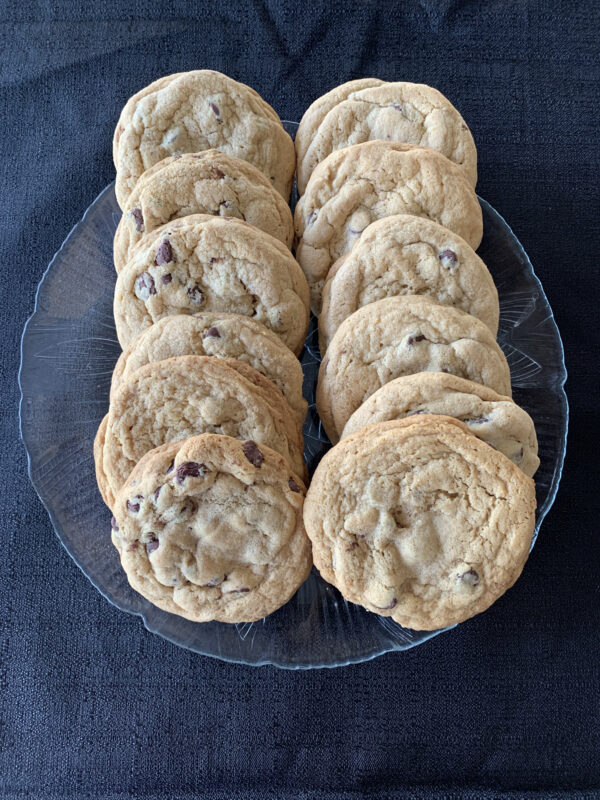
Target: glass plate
x=68, y=351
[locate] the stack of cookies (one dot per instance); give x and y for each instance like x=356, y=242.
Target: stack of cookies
x=200, y=456
x=424, y=509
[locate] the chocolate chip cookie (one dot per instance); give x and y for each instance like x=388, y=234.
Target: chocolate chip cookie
x=194, y=111
x=420, y=521
x=402, y=255
x=210, y=182
x=401, y=336
x=211, y=529
x=182, y=397
x=204, y=263
x=222, y=335
x=358, y=185
x=495, y=419
x=400, y=112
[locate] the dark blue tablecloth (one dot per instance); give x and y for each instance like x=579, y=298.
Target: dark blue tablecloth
x=507, y=705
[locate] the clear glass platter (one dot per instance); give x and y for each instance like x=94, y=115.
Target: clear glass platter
x=68, y=351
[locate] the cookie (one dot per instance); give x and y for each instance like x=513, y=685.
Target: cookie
x=401, y=336
x=182, y=397
x=211, y=529
x=128, y=111
x=204, y=263
x=400, y=112
x=360, y=184
x=210, y=182
x=404, y=255
x=493, y=418
x=318, y=110
x=195, y=111
x=221, y=335
x=420, y=521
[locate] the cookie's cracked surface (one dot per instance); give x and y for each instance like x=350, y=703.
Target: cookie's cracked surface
x=208, y=533
x=402, y=255
x=493, y=418
x=362, y=110
x=210, y=182
x=203, y=263
x=194, y=111
x=358, y=185
x=221, y=335
x=401, y=336
x=182, y=397
x=419, y=520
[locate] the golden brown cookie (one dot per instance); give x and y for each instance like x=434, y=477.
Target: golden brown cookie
x=211, y=529
x=359, y=111
x=194, y=111
x=221, y=335
x=401, y=336
x=420, y=521
x=492, y=417
x=182, y=397
x=402, y=255
x=204, y=263
x=209, y=182
x=358, y=185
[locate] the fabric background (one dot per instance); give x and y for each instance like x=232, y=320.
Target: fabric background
x=507, y=705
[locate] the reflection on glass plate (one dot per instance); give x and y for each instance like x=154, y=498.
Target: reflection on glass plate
x=69, y=348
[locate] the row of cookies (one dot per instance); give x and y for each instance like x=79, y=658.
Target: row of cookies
x=424, y=511
x=211, y=310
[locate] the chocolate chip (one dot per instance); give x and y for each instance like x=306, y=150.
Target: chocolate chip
x=196, y=294
x=240, y=591
x=448, y=258
x=166, y=279
x=215, y=581
x=134, y=506
x=218, y=173
x=418, y=338
x=470, y=577
x=138, y=218
x=479, y=421
x=215, y=260
x=164, y=254
x=156, y=493
x=190, y=469
x=170, y=467
x=397, y=107
x=212, y=333
x=215, y=110
x=294, y=486
x=144, y=286
x=446, y=370
x=388, y=607
x=113, y=524
x=252, y=453
x=152, y=546
x=518, y=456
